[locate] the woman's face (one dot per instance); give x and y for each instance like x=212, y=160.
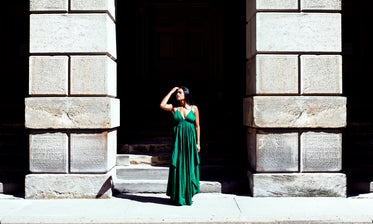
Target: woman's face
x=180, y=94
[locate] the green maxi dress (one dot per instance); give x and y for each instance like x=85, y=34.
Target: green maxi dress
x=183, y=178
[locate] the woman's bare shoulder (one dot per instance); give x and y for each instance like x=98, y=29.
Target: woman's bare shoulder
x=195, y=108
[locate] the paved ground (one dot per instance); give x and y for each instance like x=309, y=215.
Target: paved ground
x=207, y=208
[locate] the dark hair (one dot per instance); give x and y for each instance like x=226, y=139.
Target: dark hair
x=187, y=95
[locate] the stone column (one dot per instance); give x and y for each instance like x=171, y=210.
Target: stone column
x=293, y=107
x=71, y=111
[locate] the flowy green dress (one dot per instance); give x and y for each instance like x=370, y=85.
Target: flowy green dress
x=183, y=178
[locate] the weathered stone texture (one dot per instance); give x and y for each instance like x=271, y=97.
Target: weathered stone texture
x=93, y=152
x=321, y=5
x=49, y=5
x=48, y=75
x=298, y=32
x=253, y=6
x=273, y=74
x=49, y=152
x=298, y=185
x=71, y=112
x=273, y=152
x=321, y=151
x=321, y=74
x=53, y=186
x=93, y=75
x=72, y=33
x=295, y=111
x=94, y=5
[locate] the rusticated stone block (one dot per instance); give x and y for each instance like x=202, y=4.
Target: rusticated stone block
x=273, y=152
x=71, y=112
x=55, y=186
x=321, y=151
x=253, y=6
x=298, y=184
x=321, y=74
x=93, y=75
x=49, y=5
x=48, y=75
x=49, y=152
x=72, y=33
x=295, y=111
x=97, y=5
x=93, y=152
x=272, y=74
x=298, y=32
x=321, y=5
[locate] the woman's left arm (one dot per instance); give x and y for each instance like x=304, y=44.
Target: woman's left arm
x=196, y=125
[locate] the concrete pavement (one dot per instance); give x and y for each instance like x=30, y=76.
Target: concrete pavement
x=207, y=208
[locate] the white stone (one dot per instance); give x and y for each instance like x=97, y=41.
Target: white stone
x=93, y=152
x=321, y=5
x=71, y=112
x=93, y=75
x=72, y=33
x=273, y=152
x=94, y=5
x=321, y=74
x=48, y=75
x=49, y=152
x=321, y=151
x=295, y=111
x=273, y=74
x=49, y=5
x=253, y=6
x=55, y=186
x=298, y=32
x=298, y=184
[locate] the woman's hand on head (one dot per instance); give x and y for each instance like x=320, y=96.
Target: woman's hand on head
x=174, y=89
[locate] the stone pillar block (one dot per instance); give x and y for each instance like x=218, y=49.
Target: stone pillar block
x=97, y=5
x=321, y=74
x=49, y=5
x=52, y=186
x=93, y=75
x=321, y=152
x=93, y=152
x=72, y=33
x=272, y=74
x=48, y=75
x=321, y=5
x=273, y=152
x=298, y=32
x=71, y=112
x=298, y=184
x=49, y=152
x=253, y=6
x=295, y=111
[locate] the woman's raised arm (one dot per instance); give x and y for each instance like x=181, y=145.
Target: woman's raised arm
x=164, y=105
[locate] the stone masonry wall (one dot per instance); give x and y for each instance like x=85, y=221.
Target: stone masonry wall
x=71, y=112
x=294, y=110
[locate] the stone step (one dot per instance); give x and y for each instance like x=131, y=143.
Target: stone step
x=163, y=159
x=135, y=159
x=207, y=172
x=158, y=186
x=141, y=172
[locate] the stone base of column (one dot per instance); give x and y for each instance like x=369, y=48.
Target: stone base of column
x=298, y=184
x=53, y=186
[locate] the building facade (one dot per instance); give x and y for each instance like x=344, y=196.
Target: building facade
x=293, y=110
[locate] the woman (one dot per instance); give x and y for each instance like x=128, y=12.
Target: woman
x=183, y=178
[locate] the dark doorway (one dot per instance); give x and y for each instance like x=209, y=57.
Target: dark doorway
x=198, y=44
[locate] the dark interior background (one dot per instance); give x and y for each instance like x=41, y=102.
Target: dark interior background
x=198, y=44
x=217, y=84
